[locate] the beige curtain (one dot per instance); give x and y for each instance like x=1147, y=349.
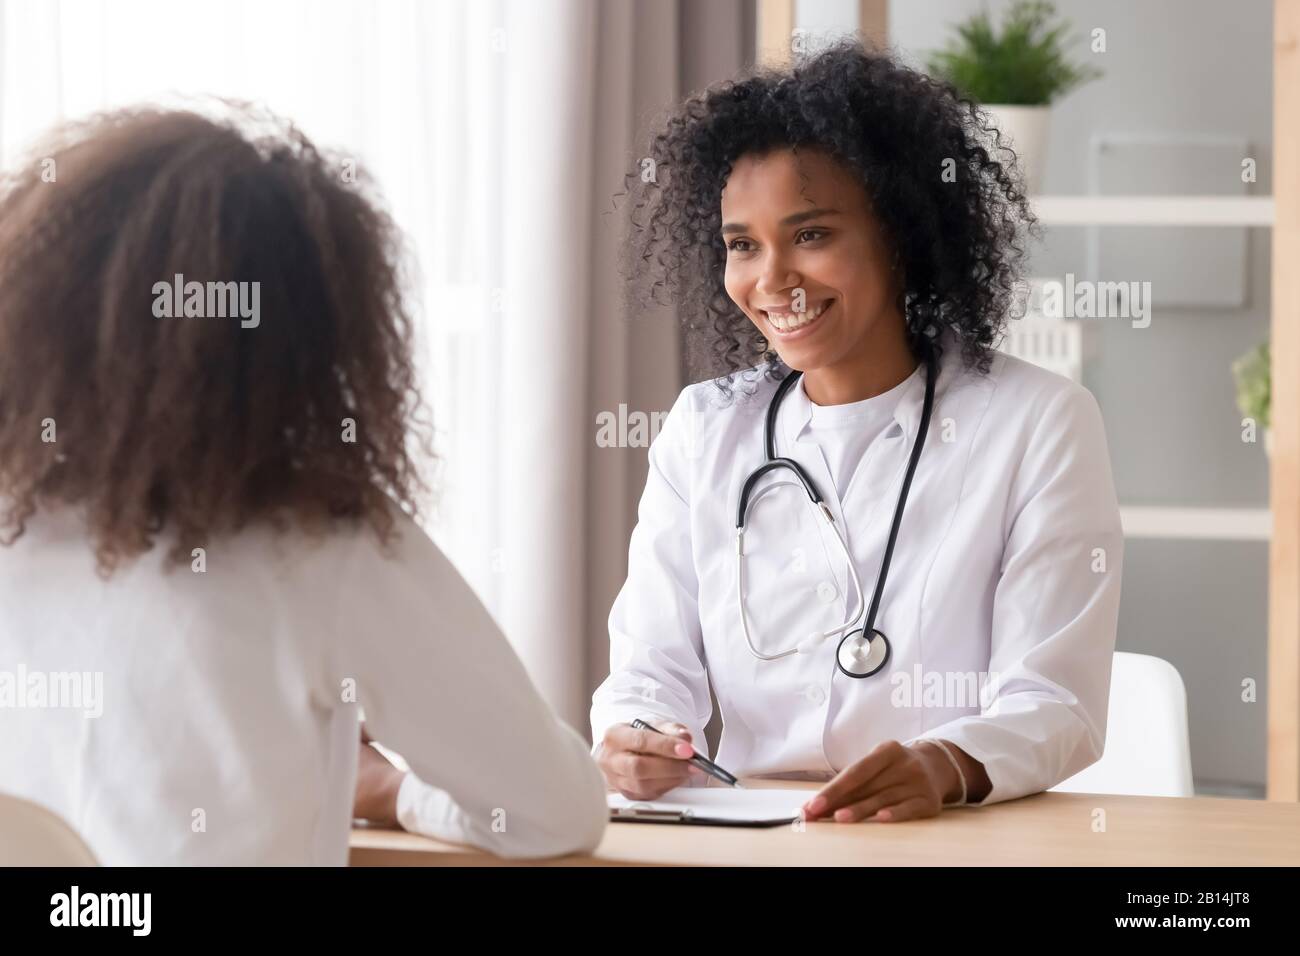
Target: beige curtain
x=650, y=55
x=580, y=92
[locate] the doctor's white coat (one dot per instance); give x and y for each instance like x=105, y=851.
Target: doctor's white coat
x=1001, y=602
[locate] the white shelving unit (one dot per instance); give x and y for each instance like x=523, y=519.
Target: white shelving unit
x=1214, y=524
x=1153, y=521
x=1153, y=210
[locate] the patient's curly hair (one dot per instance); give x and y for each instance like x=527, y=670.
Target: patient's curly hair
x=959, y=242
x=200, y=425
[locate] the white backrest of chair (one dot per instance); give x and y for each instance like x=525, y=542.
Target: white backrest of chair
x=1148, y=752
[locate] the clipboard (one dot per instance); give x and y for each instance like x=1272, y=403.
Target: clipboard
x=712, y=807
x=685, y=818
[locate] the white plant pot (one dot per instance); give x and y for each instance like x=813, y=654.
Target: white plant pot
x=1024, y=128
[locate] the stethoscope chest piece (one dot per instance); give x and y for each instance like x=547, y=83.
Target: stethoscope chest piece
x=859, y=657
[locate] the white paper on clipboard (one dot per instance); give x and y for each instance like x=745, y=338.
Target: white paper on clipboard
x=755, y=807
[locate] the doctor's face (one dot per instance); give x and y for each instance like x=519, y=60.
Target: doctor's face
x=807, y=261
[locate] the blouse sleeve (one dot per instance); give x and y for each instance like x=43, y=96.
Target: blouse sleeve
x=439, y=683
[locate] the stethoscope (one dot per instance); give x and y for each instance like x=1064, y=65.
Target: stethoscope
x=858, y=655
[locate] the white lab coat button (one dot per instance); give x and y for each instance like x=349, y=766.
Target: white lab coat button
x=815, y=694
x=826, y=591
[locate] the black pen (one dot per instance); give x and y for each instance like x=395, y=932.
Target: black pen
x=704, y=763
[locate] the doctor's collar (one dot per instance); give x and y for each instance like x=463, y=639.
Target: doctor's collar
x=797, y=411
x=878, y=406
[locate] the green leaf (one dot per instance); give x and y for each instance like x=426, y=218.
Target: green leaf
x=1024, y=64
x=1254, y=384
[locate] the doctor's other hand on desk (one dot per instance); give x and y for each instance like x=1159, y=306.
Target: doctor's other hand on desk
x=897, y=782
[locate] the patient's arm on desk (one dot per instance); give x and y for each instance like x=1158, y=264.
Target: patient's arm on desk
x=378, y=782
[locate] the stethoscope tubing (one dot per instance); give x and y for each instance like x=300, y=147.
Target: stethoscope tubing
x=775, y=463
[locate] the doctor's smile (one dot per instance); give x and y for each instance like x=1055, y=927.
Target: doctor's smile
x=787, y=323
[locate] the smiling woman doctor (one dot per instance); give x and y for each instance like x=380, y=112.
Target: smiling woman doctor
x=894, y=552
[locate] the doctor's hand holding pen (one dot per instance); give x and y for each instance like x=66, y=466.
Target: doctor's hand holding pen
x=643, y=764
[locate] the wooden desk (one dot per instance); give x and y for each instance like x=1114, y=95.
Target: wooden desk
x=1047, y=829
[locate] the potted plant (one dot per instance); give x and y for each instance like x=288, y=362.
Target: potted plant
x=1255, y=389
x=1014, y=74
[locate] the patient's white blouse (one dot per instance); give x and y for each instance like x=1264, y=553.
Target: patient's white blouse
x=225, y=725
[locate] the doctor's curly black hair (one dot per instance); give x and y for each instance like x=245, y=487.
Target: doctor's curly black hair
x=958, y=236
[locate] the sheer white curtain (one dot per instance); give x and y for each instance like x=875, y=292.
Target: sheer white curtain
x=475, y=120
